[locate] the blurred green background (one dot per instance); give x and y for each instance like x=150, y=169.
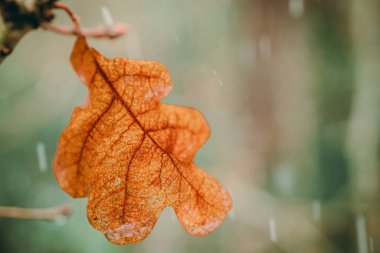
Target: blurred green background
x=291, y=89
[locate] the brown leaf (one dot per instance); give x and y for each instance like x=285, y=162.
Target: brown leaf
x=133, y=155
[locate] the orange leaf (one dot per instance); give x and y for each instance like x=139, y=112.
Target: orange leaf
x=132, y=155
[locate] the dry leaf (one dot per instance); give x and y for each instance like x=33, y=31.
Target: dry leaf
x=132, y=155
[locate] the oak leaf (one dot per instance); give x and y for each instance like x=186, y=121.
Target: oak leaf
x=132, y=155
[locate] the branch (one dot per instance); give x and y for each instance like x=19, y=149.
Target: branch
x=110, y=31
x=52, y=213
x=98, y=32
x=20, y=17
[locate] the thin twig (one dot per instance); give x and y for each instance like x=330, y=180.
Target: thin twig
x=112, y=32
x=52, y=213
x=117, y=30
x=73, y=17
x=18, y=18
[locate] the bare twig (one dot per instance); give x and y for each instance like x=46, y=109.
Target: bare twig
x=18, y=18
x=52, y=213
x=98, y=32
x=73, y=17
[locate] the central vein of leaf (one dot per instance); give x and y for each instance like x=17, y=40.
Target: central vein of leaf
x=118, y=96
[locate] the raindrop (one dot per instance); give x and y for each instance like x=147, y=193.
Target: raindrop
x=232, y=215
x=217, y=78
x=316, y=209
x=107, y=17
x=284, y=178
x=41, y=155
x=296, y=8
x=60, y=220
x=361, y=232
x=272, y=230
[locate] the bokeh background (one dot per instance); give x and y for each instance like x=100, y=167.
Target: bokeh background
x=291, y=89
